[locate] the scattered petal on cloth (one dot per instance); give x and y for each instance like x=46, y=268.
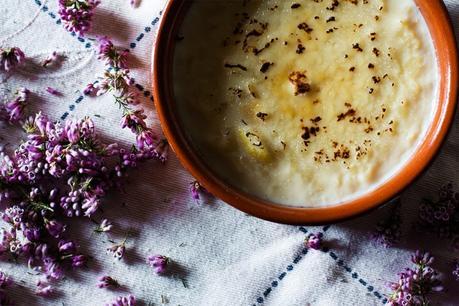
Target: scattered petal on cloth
x=222, y=255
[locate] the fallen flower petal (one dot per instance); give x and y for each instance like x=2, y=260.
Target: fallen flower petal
x=159, y=263
x=10, y=58
x=123, y=301
x=107, y=282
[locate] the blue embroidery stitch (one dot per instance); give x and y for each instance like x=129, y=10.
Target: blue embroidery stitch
x=139, y=38
x=355, y=275
x=267, y=292
x=340, y=263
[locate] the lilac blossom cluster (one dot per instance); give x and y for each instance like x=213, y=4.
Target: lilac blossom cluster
x=10, y=58
x=59, y=170
x=415, y=284
x=388, y=231
x=76, y=15
x=117, y=80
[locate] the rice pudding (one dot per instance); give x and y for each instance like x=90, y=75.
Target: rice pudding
x=305, y=103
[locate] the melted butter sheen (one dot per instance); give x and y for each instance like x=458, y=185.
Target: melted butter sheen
x=305, y=103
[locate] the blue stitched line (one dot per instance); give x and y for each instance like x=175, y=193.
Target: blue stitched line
x=262, y=297
x=280, y=277
x=88, y=45
x=355, y=275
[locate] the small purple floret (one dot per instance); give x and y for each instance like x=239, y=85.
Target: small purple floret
x=10, y=58
x=159, y=263
x=123, y=301
x=76, y=15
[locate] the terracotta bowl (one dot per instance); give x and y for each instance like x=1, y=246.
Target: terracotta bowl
x=442, y=33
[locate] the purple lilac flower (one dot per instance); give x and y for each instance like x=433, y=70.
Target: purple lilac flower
x=117, y=250
x=15, y=109
x=104, y=226
x=123, y=301
x=197, y=190
x=114, y=80
x=161, y=150
x=117, y=79
x=414, y=285
x=78, y=261
x=89, y=90
x=135, y=3
x=66, y=247
x=76, y=15
x=10, y=58
x=159, y=263
x=33, y=233
x=55, y=228
x=44, y=289
x=13, y=215
x=61, y=169
x=110, y=55
x=134, y=120
x=9, y=242
x=388, y=231
x=314, y=241
x=53, y=91
x=51, y=269
x=51, y=59
x=108, y=282
x=90, y=205
x=128, y=99
x=147, y=139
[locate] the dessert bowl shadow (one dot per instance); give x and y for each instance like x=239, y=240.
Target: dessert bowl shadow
x=442, y=34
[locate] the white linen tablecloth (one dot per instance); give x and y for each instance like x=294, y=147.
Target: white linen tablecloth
x=223, y=256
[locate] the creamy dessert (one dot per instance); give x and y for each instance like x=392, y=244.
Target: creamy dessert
x=308, y=102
